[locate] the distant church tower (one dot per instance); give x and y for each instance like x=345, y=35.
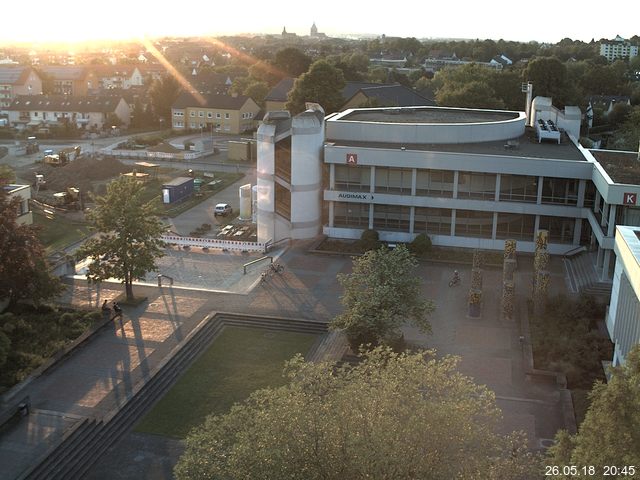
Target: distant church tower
x=314, y=30
x=284, y=31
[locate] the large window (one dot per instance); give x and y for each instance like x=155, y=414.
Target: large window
x=477, y=185
x=393, y=180
x=283, y=201
x=434, y=183
x=354, y=215
x=435, y=221
x=562, y=191
x=589, y=194
x=474, y=223
x=391, y=217
x=352, y=179
x=518, y=188
x=516, y=225
x=283, y=159
x=560, y=228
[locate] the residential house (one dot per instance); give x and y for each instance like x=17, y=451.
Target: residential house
x=603, y=105
x=210, y=83
x=110, y=77
x=90, y=112
x=69, y=80
x=23, y=192
x=385, y=95
x=231, y=114
x=618, y=48
x=17, y=80
x=389, y=61
x=277, y=98
x=501, y=61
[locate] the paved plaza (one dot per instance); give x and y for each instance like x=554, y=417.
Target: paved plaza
x=102, y=374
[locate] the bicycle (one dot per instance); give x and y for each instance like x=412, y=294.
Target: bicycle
x=276, y=268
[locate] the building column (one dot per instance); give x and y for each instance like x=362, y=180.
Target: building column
x=414, y=181
x=494, y=228
x=611, y=230
x=599, y=257
x=604, y=275
x=331, y=214
x=372, y=180
x=371, y=216
x=605, y=213
x=536, y=227
x=412, y=217
x=497, y=195
x=453, y=222
x=577, y=231
x=540, y=184
x=332, y=176
x=582, y=188
x=456, y=175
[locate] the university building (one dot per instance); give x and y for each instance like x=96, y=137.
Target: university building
x=466, y=177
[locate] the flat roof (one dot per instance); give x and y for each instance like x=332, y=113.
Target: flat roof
x=427, y=115
x=622, y=167
x=525, y=146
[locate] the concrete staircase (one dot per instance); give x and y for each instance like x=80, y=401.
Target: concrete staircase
x=582, y=276
x=80, y=448
x=331, y=348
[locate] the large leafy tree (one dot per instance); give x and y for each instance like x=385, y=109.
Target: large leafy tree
x=322, y=84
x=292, y=61
x=24, y=274
x=610, y=432
x=128, y=242
x=392, y=416
x=163, y=93
x=380, y=295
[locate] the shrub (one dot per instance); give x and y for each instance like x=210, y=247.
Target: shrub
x=369, y=240
x=420, y=245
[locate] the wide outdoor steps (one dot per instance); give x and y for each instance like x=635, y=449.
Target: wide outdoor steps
x=74, y=456
x=583, y=277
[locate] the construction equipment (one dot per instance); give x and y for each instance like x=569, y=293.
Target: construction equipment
x=69, y=199
x=54, y=160
x=32, y=145
x=61, y=158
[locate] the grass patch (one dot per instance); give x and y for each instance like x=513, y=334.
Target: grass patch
x=35, y=334
x=239, y=361
x=59, y=232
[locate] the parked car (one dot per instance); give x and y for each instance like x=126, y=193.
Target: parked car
x=223, y=209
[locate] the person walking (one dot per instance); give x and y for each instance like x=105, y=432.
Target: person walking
x=106, y=311
x=117, y=310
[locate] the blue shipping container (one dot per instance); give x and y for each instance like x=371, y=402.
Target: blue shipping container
x=177, y=190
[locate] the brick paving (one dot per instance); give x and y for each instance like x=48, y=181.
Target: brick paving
x=100, y=375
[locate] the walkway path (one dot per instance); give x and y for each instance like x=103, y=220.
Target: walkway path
x=99, y=376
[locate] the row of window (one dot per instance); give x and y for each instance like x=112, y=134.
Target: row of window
x=440, y=183
x=437, y=221
x=227, y=115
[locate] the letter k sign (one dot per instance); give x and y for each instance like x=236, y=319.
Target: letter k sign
x=630, y=198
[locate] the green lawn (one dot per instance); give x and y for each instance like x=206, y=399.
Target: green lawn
x=240, y=361
x=58, y=232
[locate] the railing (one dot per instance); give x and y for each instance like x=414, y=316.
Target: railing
x=215, y=243
x=574, y=251
x=244, y=267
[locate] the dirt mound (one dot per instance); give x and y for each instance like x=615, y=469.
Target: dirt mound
x=81, y=173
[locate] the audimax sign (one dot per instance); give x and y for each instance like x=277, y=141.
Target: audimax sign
x=355, y=196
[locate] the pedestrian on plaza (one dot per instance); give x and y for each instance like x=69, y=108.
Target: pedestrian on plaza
x=106, y=311
x=117, y=310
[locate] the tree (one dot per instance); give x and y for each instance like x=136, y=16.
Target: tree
x=549, y=77
x=257, y=91
x=380, y=295
x=292, y=61
x=163, y=93
x=610, y=432
x=392, y=416
x=129, y=241
x=322, y=84
x=24, y=273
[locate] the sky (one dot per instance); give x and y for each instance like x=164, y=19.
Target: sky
x=542, y=21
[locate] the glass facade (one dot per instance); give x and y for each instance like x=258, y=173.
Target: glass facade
x=518, y=188
x=563, y=191
x=394, y=180
x=481, y=186
x=435, y=221
x=352, y=179
x=351, y=215
x=474, y=223
x=560, y=228
x=391, y=217
x=515, y=225
x=434, y=183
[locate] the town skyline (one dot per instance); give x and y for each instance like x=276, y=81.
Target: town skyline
x=494, y=20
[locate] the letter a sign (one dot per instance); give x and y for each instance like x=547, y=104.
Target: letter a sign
x=352, y=159
x=630, y=198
